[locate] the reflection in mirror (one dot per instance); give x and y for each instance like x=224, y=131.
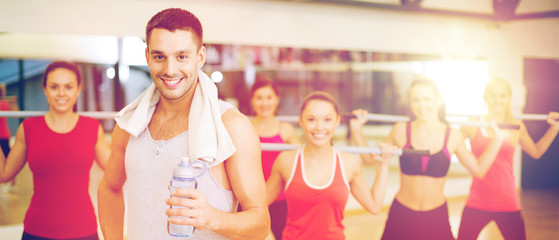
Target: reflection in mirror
x=376, y=81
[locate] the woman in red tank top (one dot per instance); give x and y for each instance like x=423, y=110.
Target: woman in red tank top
x=318, y=179
x=264, y=101
x=493, y=197
x=60, y=148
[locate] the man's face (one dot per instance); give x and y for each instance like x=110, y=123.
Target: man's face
x=174, y=59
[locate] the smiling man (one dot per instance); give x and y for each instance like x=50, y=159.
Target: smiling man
x=175, y=54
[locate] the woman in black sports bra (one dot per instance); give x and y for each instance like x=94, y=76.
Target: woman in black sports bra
x=419, y=210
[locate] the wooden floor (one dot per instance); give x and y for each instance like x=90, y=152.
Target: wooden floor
x=540, y=210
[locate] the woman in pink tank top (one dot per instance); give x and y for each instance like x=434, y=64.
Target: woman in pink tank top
x=264, y=102
x=60, y=148
x=493, y=197
x=318, y=179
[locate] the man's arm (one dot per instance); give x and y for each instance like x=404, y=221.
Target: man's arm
x=244, y=169
x=110, y=197
x=244, y=172
x=102, y=149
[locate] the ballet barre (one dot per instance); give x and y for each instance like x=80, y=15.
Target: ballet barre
x=348, y=149
x=26, y=114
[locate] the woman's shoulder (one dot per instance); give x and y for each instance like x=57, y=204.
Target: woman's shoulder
x=400, y=126
x=456, y=135
x=87, y=125
x=350, y=161
x=398, y=132
x=88, y=120
x=285, y=125
x=287, y=131
x=33, y=120
x=346, y=156
x=288, y=156
x=284, y=161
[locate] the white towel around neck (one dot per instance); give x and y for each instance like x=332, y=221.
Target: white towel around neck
x=208, y=138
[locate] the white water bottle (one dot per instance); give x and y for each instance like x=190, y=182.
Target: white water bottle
x=184, y=176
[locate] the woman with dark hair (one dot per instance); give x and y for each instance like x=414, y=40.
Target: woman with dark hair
x=493, y=197
x=60, y=148
x=419, y=210
x=317, y=178
x=264, y=101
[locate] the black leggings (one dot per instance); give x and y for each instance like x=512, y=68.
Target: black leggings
x=5, y=145
x=405, y=223
x=27, y=236
x=511, y=224
x=278, y=216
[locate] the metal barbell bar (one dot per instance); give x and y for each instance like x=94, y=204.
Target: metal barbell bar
x=371, y=116
x=398, y=118
x=348, y=149
x=525, y=117
x=26, y=114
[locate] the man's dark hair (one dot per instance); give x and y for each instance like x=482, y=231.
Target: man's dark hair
x=172, y=19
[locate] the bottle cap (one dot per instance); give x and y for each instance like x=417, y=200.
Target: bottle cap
x=185, y=161
x=189, y=169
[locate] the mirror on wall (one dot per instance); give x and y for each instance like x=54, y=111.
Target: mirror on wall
x=373, y=80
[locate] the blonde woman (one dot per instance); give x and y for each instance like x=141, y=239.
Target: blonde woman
x=419, y=210
x=493, y=197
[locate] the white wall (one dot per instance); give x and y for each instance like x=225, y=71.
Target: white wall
x=265, y=23
x=294, y=24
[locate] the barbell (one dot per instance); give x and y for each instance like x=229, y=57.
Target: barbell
x=371, y=117
x=348, y=149
x=399, y=118
x=26, y=114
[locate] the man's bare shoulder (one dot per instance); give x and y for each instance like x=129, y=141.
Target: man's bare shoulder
x=119, y=137
x=232, y=117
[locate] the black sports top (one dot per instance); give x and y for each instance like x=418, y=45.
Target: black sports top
x=435, y=165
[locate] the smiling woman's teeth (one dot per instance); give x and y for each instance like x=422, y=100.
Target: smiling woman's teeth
x=319, y=135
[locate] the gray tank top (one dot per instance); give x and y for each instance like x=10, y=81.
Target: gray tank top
x=149, y=166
